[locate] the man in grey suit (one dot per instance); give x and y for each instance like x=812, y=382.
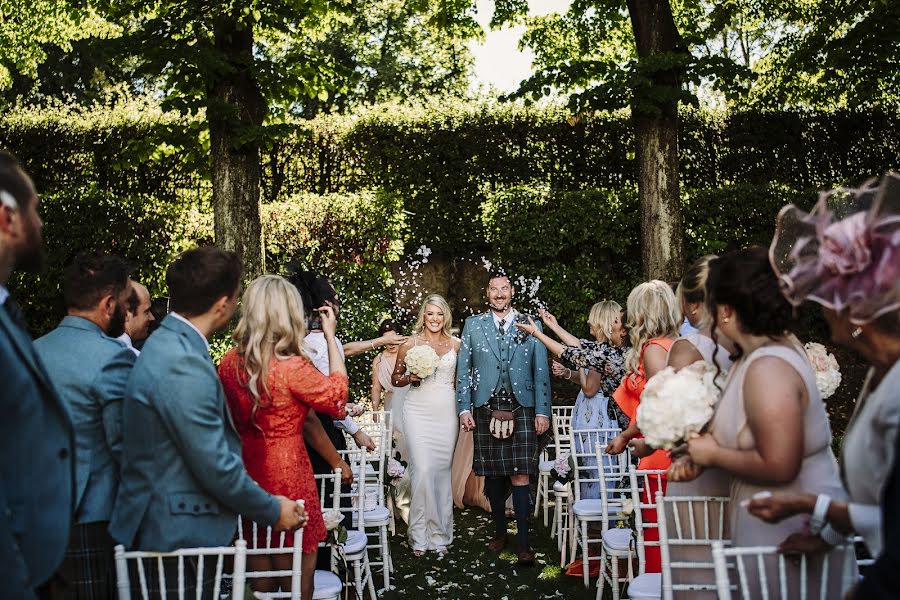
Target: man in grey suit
x=90, y=369
x=37, y=442
x=503, y=393
x=183, y=479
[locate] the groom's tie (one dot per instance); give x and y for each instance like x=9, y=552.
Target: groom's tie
x=500, y=327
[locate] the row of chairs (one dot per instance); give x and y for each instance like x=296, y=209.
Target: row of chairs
x=366, y=545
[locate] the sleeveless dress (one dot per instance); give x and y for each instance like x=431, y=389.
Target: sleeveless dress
x=628, y=397
x=431, y=424
x=818, y=472
x=272, y=440
x=711, y=482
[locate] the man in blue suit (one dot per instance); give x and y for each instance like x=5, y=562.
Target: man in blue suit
x=90, y=369
x=503, y=393
x=183, y=479
x=36, y=438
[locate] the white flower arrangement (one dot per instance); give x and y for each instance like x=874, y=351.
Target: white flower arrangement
x=826, y=368
x=675, y=405
x=395, y=469
x=333, y=519
x=561, y=465
x=422, y=361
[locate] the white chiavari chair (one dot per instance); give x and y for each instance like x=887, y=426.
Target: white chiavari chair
x=560, y=418
x=562, y=493
x=152, y=569
x=690, y=524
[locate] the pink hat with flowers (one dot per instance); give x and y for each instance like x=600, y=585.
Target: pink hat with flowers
x=845, y=253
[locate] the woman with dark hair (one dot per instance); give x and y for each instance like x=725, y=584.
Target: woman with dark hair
x=770, y=430
x=382, y=368
x=845, y=255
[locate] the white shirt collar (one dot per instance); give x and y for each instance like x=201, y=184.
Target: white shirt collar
x=192, y=326
x=4, y=294
x=507, y=320
x=126, y=339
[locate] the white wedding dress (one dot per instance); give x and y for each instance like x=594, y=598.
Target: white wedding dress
x=430, y=427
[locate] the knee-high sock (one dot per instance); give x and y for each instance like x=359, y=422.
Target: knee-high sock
x=495, y=490
x=521, y=495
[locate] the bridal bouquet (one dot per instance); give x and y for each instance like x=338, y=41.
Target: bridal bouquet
x=675, y=405
x=421, y=361
x=828, y=372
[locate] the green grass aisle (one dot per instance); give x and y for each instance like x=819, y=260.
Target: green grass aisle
x=471, y=571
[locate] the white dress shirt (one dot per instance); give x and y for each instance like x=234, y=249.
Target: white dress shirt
x=508, y=320
x=4, y=294
x=316, y=346
x=126, y=340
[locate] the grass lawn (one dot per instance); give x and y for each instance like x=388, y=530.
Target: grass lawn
x=472, y=571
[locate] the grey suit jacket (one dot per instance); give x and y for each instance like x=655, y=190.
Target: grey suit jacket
x=90, y=370
x=478, y=367
x=37, y=472
x=183, y=479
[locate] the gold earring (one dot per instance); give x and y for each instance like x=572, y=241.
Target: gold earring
x=856, y=333
x=726, y=319
x=693, y=312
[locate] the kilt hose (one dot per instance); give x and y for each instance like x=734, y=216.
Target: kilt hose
x=516, y=455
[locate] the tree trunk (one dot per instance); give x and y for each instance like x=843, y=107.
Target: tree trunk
x=654, y=113
x=236, y=106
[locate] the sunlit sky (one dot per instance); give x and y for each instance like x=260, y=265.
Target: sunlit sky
x=498, y=61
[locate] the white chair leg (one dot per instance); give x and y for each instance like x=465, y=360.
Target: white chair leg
x=370, y=583
x=385, y=558
x=585, y=555
x=547, y=492
x=614, y=564
x=601, y=580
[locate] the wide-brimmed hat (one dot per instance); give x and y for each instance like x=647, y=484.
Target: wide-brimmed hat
x=845, y=253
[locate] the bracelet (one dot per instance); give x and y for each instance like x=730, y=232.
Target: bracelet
x=832, y=536
x=568, y=373
x=819, y=515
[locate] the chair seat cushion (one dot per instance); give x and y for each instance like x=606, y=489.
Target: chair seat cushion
x=588, y=508
x=545, y=465
x=647, y=586
x=376, y=516
x=328, y=585
x=356, y=542
x=617, y=538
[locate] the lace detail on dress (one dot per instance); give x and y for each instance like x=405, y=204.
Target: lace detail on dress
x=445, y=374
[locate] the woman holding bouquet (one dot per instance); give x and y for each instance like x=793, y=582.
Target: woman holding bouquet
x=430, y=423
x=849, y=265
x=770, y=430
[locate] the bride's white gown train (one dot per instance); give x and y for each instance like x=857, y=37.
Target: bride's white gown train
x=430, y=428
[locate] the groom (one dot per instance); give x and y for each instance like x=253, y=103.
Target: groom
x=501, y=374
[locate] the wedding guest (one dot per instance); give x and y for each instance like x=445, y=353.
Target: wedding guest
x=138, y=317
x=270, y=385
x=849, y=265
x=90, y=369
x=770, y=430
x=382, y=390
x=183, y=479
x=37, y=475
x=653, y=323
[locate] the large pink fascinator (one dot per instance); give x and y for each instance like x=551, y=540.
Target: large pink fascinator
x=845, y=253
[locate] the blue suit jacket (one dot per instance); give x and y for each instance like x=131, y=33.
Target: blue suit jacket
x=37, y=471
x=478, y=368
x=90, y=371
x=183, y=479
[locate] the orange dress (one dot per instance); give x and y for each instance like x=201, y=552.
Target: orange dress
x=272, y=439
x=628, y=396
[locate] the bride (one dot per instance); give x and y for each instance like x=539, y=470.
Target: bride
x=430, y=428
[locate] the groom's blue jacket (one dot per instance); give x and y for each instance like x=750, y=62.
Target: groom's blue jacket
x=478, y=368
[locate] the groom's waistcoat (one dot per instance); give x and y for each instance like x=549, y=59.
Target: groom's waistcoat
x=489, y=362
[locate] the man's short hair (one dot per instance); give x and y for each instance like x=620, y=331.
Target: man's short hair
x=497, y=273
x=198, y=278
x=132, y=303
x=90, y=277
x=13, y=179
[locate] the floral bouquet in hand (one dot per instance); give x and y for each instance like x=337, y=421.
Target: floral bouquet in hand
x=337, y=533
x=676, y=405
x=825, y=365
x=421, y=361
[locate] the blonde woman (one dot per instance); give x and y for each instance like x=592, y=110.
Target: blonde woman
x=653, y=322
x=270, y=384
x=431, y=428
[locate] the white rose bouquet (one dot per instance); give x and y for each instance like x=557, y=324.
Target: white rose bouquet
x=675, y=405
x=825, y=365
x=421, y=361
x=395, y=469
x=337, y=533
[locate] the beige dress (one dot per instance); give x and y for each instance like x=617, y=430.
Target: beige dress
x=818, y=472
x=711, y=482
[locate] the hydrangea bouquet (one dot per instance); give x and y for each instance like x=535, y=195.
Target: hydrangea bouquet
x=675, y=405
x=825, y=365
x=421, y=361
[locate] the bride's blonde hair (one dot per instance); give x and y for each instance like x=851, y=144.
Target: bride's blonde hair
x=436, y=300
x=272, y=325
x=652, y=312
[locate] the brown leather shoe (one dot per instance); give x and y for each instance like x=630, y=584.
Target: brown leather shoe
x=497, y=543
x=526, y=556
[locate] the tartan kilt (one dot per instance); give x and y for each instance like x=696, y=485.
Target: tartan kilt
x=89, y=566
x=516, y=455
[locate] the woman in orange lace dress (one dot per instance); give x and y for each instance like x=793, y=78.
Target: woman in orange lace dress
x=653, y=321
x=270, y=385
